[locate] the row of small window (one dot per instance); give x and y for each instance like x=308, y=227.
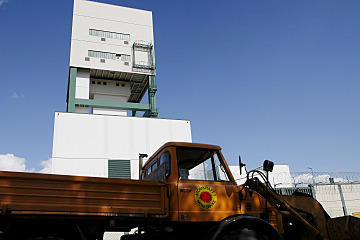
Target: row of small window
x=104, y=83
x=107, y=55
x=106, y=34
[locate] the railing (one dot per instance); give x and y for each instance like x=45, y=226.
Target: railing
x=143, y=64
x=141, y=43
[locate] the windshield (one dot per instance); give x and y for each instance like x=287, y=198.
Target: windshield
x=201, y=164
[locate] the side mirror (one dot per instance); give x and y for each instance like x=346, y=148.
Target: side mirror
x=241, y=165
x=268, y=166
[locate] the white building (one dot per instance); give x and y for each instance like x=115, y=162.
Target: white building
x=112, y=61
x=109, y=146
x=111, y=68
x=280, y=177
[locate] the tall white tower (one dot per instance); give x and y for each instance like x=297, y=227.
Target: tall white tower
x=111, y=60
x=111, y=68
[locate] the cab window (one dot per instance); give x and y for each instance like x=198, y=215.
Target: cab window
x=159, y=170
x=165, y=161
x=201, y=164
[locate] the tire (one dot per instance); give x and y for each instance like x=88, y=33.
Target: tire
x=244, y=234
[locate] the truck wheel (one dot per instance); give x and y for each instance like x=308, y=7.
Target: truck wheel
x=244, y=228
x=47, y=238
x=244, y=234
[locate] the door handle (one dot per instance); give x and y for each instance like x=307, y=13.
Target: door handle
x=185, y=190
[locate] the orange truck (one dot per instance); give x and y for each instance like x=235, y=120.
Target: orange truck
x=185, y=191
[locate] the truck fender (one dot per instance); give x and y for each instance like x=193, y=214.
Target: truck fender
x=258, y=226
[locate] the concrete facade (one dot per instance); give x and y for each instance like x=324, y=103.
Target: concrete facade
x=116, y=29
x=330, y=196
x=83, y=144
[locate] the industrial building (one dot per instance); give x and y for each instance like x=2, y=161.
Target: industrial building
x=111, y=69
x=112, y=62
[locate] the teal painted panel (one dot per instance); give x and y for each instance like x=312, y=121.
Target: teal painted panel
x=71, y=90
x=119, y=169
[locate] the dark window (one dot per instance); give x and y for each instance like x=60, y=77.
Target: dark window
x=159, y=169
x=165, y=160
x=154, y=165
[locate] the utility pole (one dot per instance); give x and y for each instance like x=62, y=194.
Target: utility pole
x=312, y=173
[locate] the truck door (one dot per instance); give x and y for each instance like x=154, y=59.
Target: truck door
x=205, y=190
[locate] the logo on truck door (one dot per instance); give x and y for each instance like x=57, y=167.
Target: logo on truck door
x=205, y=197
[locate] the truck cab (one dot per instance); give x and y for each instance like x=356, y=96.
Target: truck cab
x=201, y=187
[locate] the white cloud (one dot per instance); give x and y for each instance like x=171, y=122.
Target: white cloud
x=9, y=162
x=47, y=164
x=2, y=2
x=14, y=95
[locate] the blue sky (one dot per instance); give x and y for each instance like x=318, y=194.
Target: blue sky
x=274, y=80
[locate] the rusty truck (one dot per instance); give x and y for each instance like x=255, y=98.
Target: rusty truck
x=185, y=191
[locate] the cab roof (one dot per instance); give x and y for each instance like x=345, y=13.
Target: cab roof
x=183, y=144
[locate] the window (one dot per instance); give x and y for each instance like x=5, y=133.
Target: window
x=159, y=170
x=108, y=55
x=107, y=34
x=98, y=54
x=154, y=166
x=165, y=160
x=201, y=164
x=221, y=174
x=123, y=57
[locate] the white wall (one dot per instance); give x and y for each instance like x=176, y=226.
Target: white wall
x=279, y=177
x=93, y=15
x=235, y=171
x=329, y=197
x=82, y=84
x=83, y=143
x=97, y=86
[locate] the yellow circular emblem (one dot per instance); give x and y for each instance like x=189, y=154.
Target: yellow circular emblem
x=205, y=197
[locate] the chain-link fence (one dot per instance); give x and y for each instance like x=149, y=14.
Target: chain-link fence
x=338, y=192
x=338, y=199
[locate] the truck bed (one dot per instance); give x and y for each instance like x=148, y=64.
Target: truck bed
x=46, y=194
